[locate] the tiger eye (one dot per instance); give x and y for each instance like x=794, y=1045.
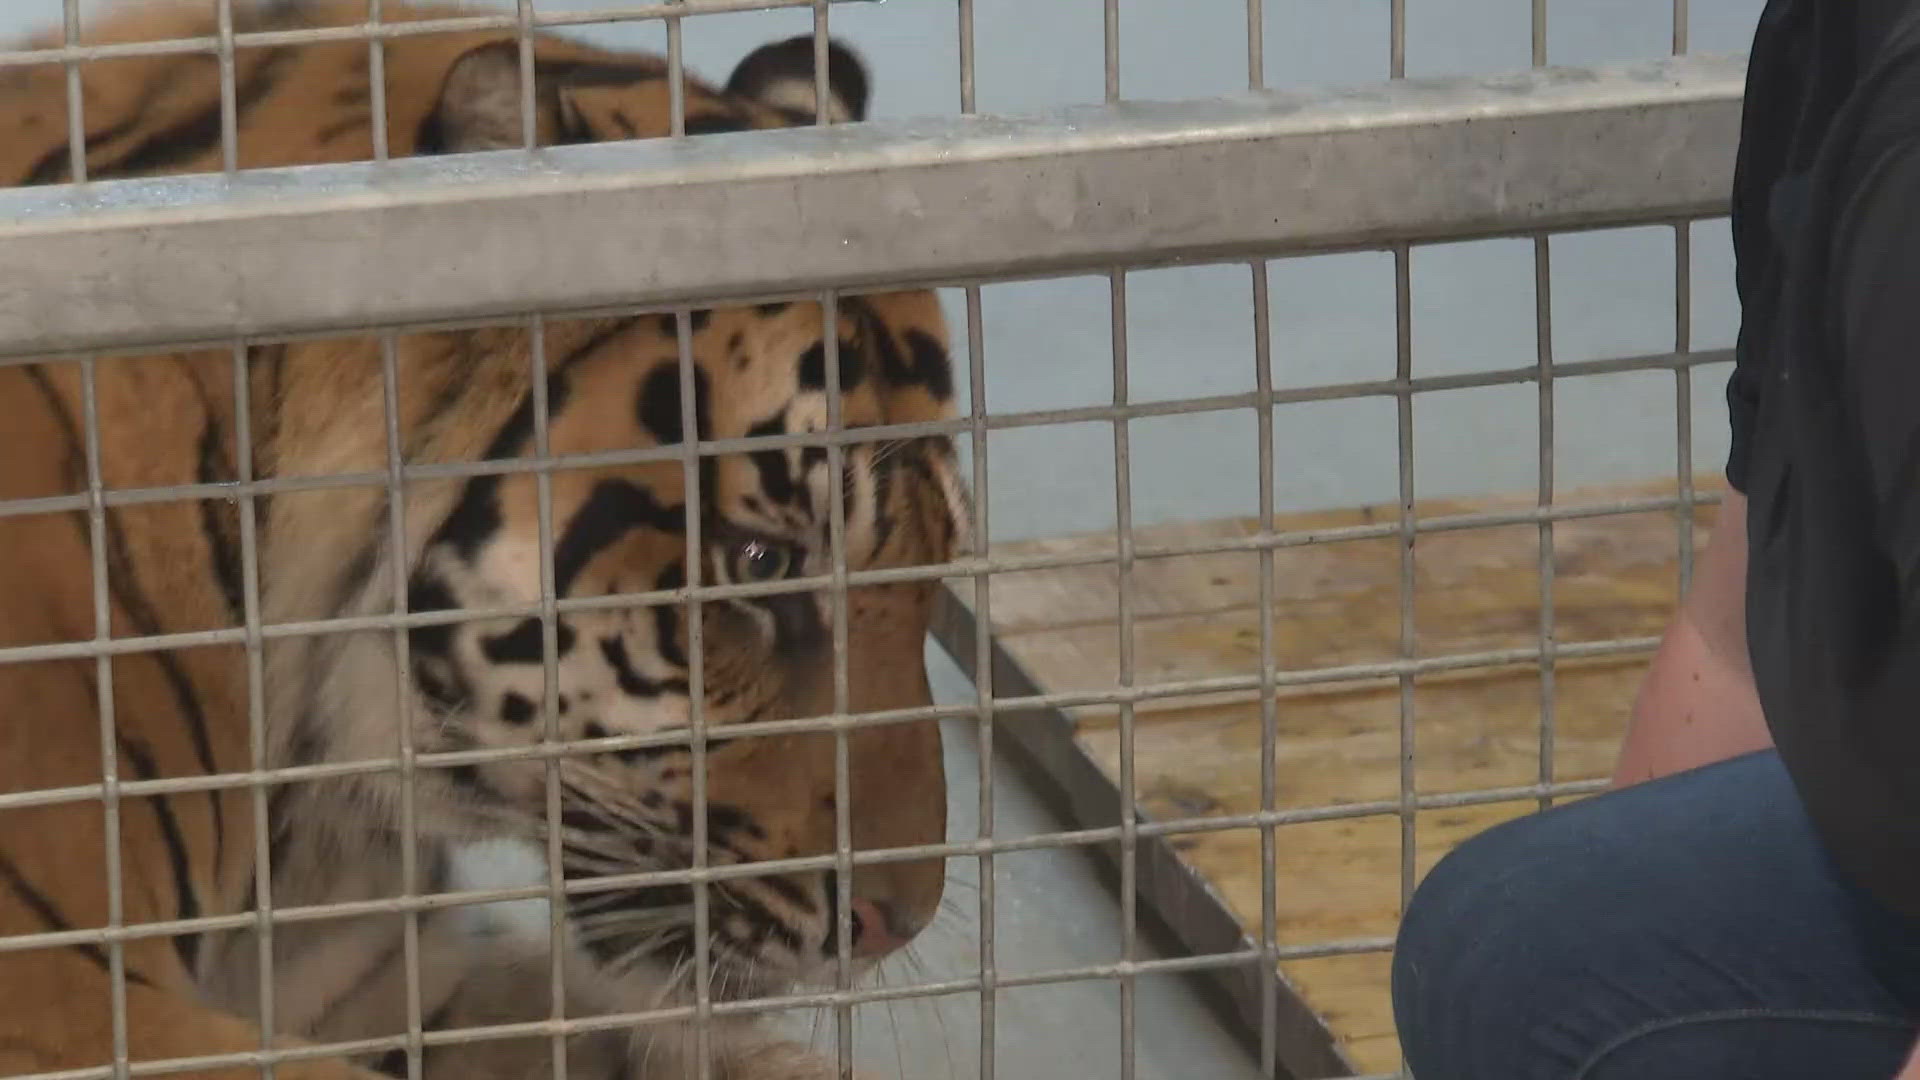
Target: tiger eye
x=759, y=561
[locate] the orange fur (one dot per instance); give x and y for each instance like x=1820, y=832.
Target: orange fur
x=318, y=407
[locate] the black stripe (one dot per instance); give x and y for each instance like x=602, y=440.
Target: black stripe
x=124, y=589
x=187, y=945
x=614, y=509
x=666, y=617
x=791, y=893
x=200, y=133
x=54, y=167
x=358, y=573
x=884, y=521
x=44, y=908
x=599, y=72
x=526, y=644
x=349, y=123
x=215, y=466
x=632, y=683
x=462, y=359
x=931, y=366
x=715, y=124
x=776, y=478
x=475, y=519
x=266, y=433
x=76, y=450
x=732, y=894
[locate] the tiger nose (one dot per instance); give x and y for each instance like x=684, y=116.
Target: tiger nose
x=873, y=932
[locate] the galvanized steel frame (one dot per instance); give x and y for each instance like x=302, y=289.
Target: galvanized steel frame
x=221, y=260
x=123, y=264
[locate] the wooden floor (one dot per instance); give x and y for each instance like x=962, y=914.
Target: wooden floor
x=1197, y=616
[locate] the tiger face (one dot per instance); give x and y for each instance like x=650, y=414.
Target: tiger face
x=758, y=518
x=761, y=518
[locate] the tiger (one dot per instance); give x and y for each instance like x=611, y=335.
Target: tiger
x=415, y=741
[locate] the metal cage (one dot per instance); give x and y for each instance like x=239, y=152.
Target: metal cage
x=93, y=271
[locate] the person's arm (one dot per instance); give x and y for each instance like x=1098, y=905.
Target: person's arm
x=1697, y=704
x=1911, y=1070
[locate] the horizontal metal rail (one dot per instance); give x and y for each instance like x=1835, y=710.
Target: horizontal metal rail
x=682, y=1013
x=1093, y=839
x=1253, y=542
x=149, y=262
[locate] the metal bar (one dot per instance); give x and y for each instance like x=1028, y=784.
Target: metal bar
x=612, y=1022
x=102, y=601
x=1344, y=674
x=529, y=107
x=229, y=103
x=1269, y=708
x=1123, y=539
x=549, y=663
x=842, y=687
x=72, y=53
x=1091, y=838
x=247, y=508
x=1256, y=45
x=982, y=672
x=377, y=81
x=964, y=567
x=696, y=692
x=1182, y=910
x=403, y=698
x=1543, y=345
x=1123, y=575
x=1543, y=351
x=1409, y=534
x=343, y=247
x=981, y=645
x=76, y=96
x=1682, y=345
x=875, y=434
x=1110, y=23
x=110, y=801
x=842, y=904
x=676, y=75
x=1397, y=39
x=967, y=62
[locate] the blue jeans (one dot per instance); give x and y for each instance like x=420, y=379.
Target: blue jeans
x=1690, y=927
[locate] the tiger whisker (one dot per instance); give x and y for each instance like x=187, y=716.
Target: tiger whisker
x=617, y=818
x=619, y=923
x=604, y=796
x=613, y=928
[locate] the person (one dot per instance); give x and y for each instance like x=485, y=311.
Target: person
x=1744, y=901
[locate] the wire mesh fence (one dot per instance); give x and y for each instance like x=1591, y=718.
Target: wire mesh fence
x=374, y=257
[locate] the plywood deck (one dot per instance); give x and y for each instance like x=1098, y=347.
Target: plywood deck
x=1197, y=616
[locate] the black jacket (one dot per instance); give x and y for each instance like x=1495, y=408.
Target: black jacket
x=1825, y=407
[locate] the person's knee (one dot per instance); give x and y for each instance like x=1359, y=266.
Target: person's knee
x=1482, y=937
x=1756, y=1043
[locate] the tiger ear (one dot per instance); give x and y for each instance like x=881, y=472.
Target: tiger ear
x=479, y=106
x=782, y=75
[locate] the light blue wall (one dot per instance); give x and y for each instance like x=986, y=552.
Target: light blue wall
x=1190, y=330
